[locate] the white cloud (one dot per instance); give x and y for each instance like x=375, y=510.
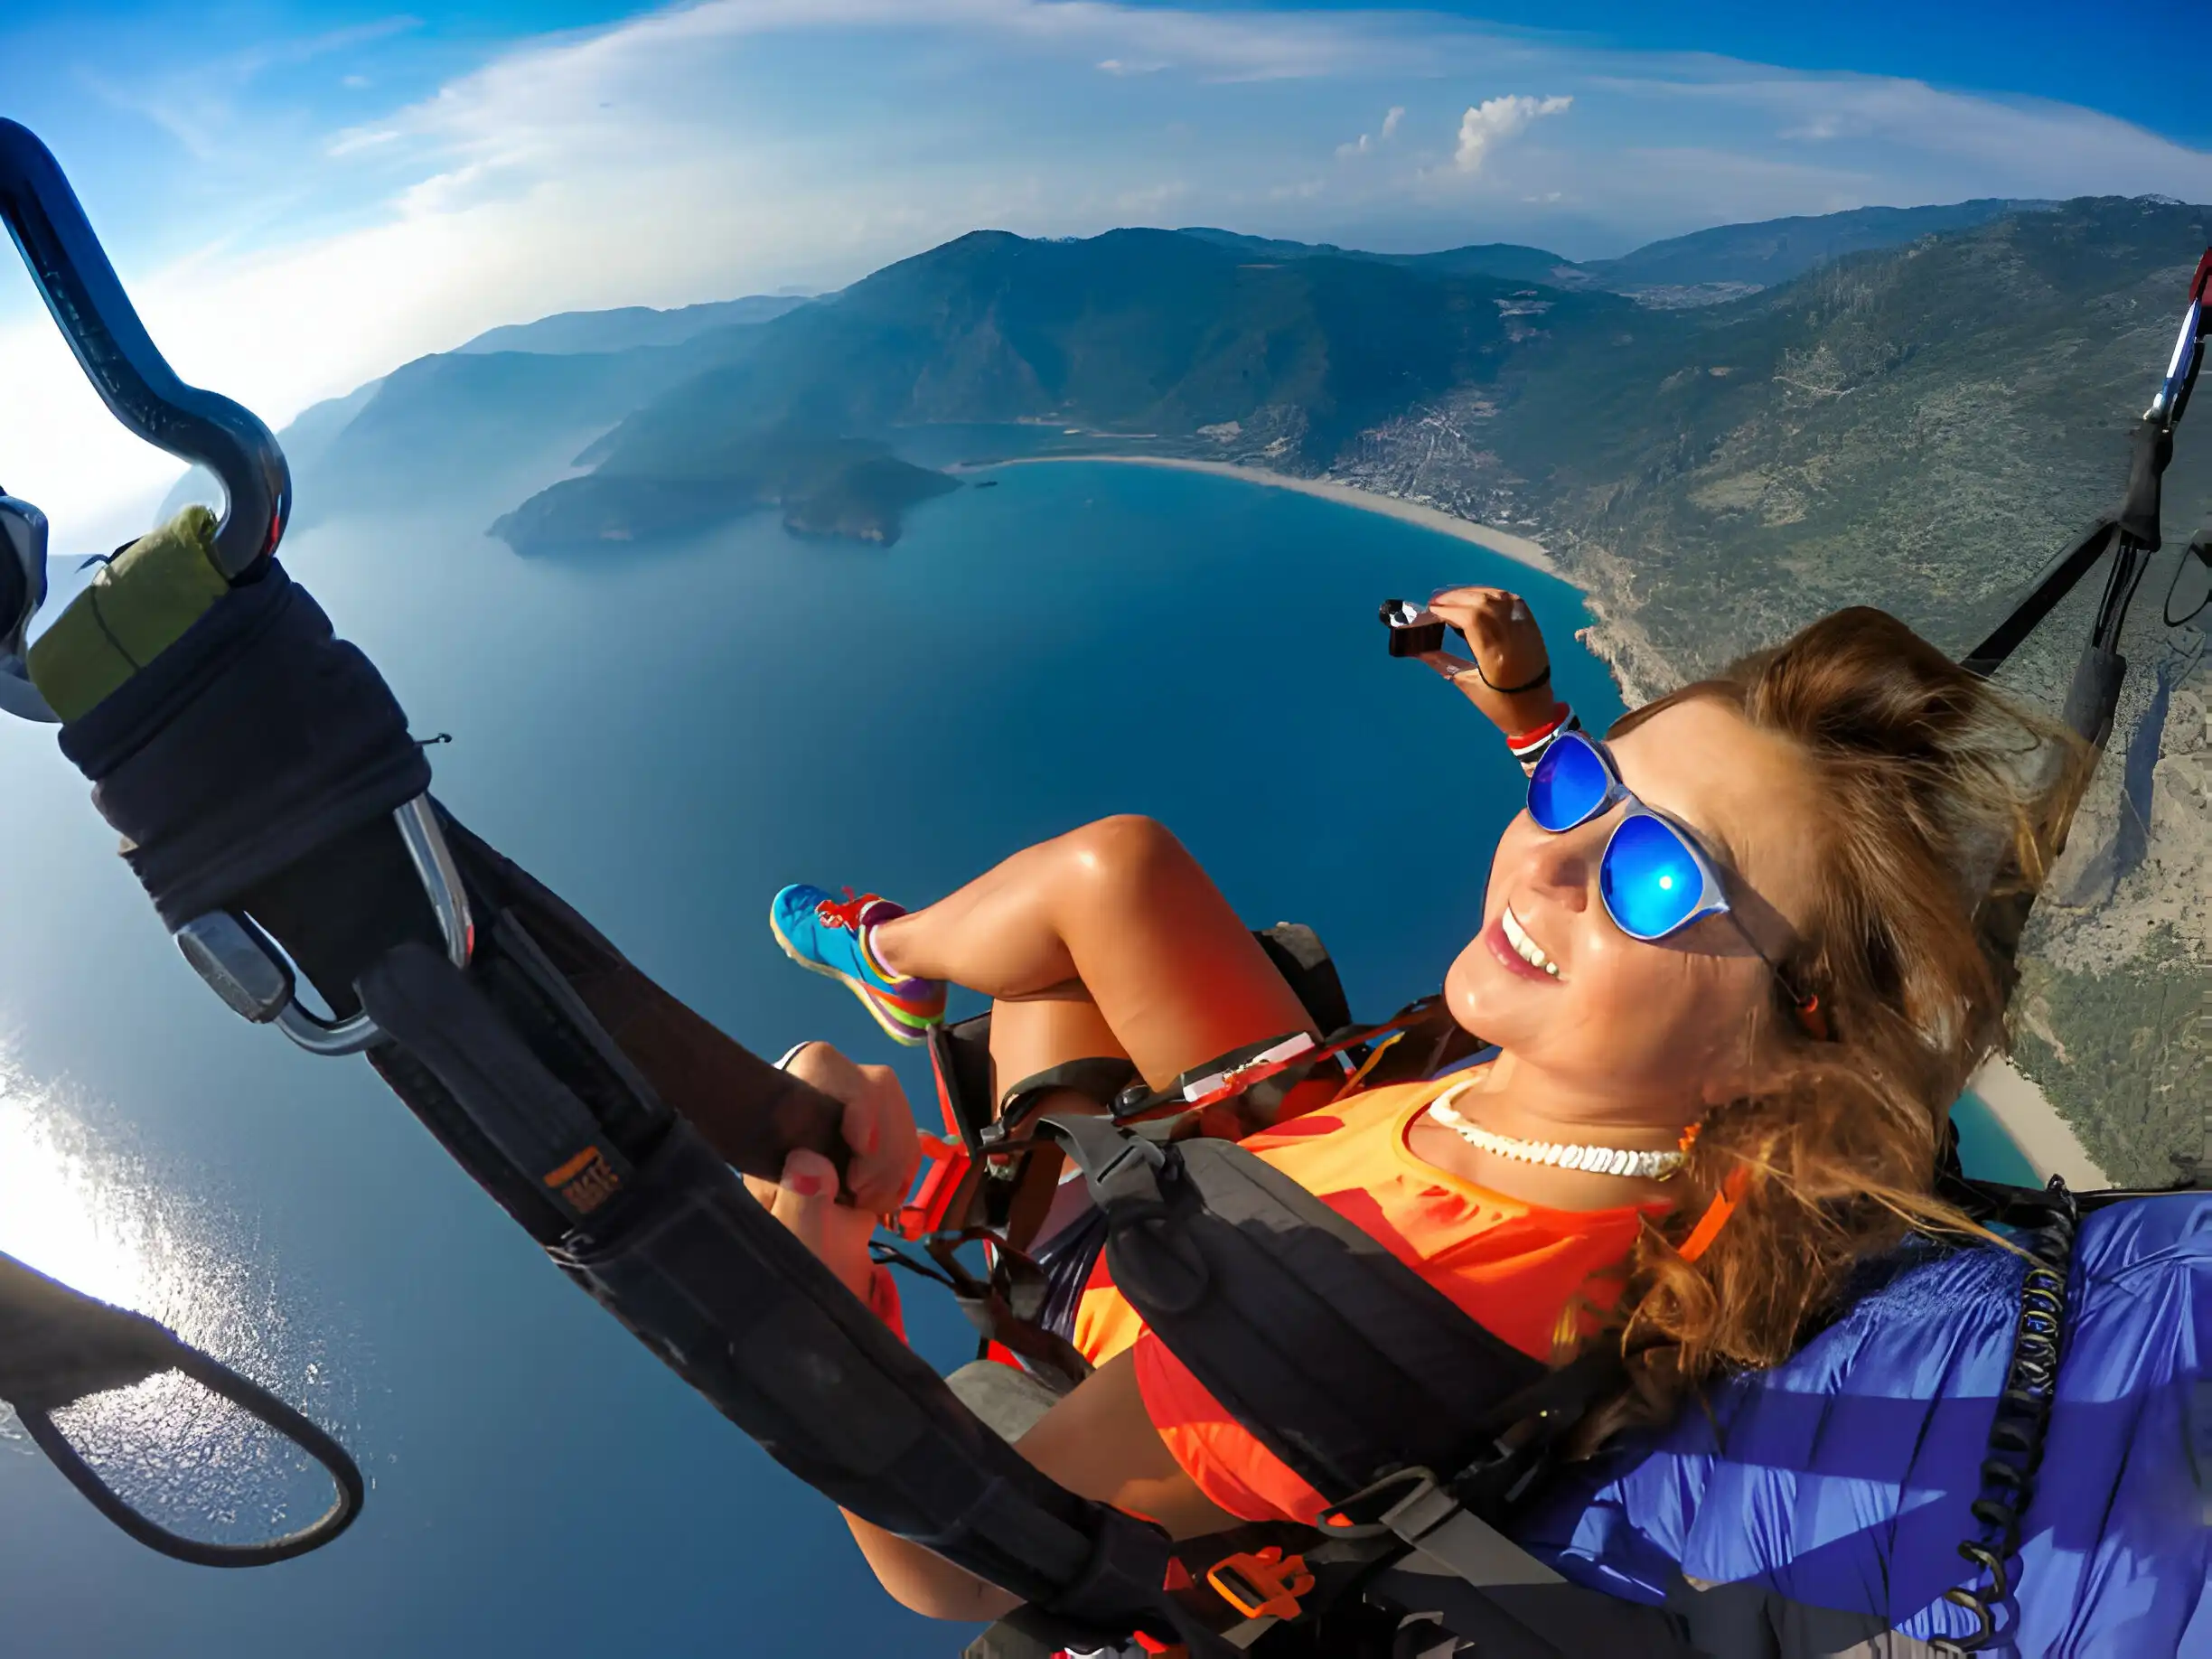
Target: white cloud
x=201, y=108
x=1496, y=119
x=2010, y=146
x=273, y=54
x=1366, y=141
x=745, y=146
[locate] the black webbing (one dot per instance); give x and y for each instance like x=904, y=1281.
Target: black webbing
x=751, y=1113
x=254, y=739
x=745, y=1315
x=2051, y=585
x=1417, y=1427
x=59, y=1345
x=250, y=766
x=1337, y=1356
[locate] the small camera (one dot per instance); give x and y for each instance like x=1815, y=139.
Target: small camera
x=1412, y=630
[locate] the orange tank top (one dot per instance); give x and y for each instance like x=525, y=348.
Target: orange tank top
x=1539, y=1279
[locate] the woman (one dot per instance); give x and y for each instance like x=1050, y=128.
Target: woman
x=1730, y=962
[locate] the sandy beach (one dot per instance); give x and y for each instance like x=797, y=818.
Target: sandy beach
x=2028, y=1119
x=1519, y=549
x=2044, y=1138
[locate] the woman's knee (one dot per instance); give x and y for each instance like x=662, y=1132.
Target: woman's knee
x=1126, y=854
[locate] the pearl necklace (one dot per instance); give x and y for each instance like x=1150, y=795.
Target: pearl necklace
x=1647, y=1166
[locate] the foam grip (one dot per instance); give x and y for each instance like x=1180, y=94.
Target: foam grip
x=255, y=738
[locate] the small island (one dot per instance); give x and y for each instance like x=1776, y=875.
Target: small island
x=852, y=488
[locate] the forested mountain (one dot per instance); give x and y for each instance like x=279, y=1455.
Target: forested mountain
x=1704, y=266
x=631, y=326
x=1914, y=409
x=1774, y=250
x=1144, y=331
x=1509, y=260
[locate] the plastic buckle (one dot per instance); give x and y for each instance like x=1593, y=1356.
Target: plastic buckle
x=1377, y=1509
x=243, y=965
x=1262, y=1585
x=1242, y=1073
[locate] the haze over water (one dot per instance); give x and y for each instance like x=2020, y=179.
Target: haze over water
x=666, y=736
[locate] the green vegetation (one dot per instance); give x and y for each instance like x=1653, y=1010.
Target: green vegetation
x=1137, y=331
x=2126, y=1057
x=1775, y=250
x=1920, y=427
x=1726, y=257
x=1720, y=437
x=1508, y=260
x=628, y=327
x=442, y=428
x=1143, y=332
x=828, y=487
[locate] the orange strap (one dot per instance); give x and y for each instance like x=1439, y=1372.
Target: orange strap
x=1716, y=1215
x=1265, y=1585
x=1352, y=1083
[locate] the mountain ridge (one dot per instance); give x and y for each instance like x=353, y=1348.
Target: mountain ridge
x=1917, y=424
x=1703, y=267
x=628, y=327
x=1768, y=251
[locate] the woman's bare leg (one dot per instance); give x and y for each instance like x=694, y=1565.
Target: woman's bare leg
x=1118, y=910
x=1035, y=1033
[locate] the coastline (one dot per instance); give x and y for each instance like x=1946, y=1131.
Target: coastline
x=1519, y=549
x=2033, y=1124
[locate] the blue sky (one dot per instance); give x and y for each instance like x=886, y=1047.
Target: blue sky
x=303, y=195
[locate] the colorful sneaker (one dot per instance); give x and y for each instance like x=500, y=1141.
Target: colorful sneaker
x=830, y=936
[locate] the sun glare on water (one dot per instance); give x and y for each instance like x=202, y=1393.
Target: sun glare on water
x=63, y=1209
x=77, y=1204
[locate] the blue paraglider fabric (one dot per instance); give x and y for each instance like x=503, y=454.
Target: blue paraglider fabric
x=1843, y=1479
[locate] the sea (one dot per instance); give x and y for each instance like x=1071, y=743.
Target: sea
x=666, y=735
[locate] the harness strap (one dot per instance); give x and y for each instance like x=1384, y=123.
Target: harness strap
x=1342, y=1362
x=1429, y=1519
x=1339, y=1358
x=255, y=765
x=59, y=1345
x=1100, y=1081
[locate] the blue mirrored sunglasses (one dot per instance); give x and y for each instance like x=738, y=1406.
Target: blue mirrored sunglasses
x=1653, y=879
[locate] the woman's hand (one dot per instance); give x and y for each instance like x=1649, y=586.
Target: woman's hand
x=1509, y=653
x=879, y=1128
x=1098, y=1441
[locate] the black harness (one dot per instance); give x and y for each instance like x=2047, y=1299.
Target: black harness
x=277, y=812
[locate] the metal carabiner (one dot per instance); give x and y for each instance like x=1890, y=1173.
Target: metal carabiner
x=2173, y=391
x=87, y=304
x=243, y=965
x=23, y=589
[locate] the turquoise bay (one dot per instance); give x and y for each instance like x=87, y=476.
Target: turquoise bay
x=667, y=736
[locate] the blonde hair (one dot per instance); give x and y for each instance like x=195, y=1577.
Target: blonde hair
x=1939, y=797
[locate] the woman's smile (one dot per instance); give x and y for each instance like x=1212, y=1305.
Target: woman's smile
x=1510, y=942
